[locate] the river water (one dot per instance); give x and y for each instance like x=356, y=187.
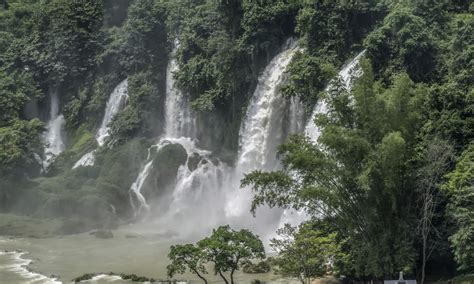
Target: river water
x=67, y=257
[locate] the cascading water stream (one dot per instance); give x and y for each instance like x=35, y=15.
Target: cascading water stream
x=117, y=100
x=198, y=182
x=53, y=134
x=347, y=74
x=210, y=190
x=179, y=122
x=261, y=133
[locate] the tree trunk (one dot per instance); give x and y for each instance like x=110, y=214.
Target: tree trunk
x=232, y=276
x=203, y=279
x=200, y=276
x=223, y=277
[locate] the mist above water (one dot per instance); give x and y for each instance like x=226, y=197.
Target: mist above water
x=208, y=194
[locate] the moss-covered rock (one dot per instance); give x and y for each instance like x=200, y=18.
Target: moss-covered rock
x=121, y=164
x=165, y=168
x=193, y=161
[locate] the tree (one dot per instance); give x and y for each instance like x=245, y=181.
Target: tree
x=403, y=43
x=460, y=187
x=18, y=143
x=436, y=158
x=358, y=174
x=184, y=257
x=305, y=252
x=229, y=250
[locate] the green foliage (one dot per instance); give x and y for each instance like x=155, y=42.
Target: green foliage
x=460, y=188
x=368, y=172
x=226, y=248
x=16, y=89
x=229, y=249
x=56, y=40
x=260, y=267
x=308, y=76
x=306, y=252
x=141, y=42
x=362, y=176
x=403, y=43
x=18, y=144
x=329, y=28
x=186, y=257
x=137, y=116
x=220, y=43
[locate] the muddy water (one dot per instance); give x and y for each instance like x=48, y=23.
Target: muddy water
x=71, y=256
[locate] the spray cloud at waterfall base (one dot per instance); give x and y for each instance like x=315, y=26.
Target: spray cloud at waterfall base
x=201, y=187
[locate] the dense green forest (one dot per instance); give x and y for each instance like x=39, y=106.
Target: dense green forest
x=390, y=184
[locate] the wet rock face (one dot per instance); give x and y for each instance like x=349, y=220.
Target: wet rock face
x=165, y=169
x=193, y=161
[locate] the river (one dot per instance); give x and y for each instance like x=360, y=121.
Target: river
x=67, y=257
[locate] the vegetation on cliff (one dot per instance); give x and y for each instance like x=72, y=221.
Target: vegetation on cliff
x=390, y=181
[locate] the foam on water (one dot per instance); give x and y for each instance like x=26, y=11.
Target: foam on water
x=17, y=266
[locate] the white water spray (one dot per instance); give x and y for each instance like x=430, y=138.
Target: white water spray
x=53, y=134
x=179, y=119
x=261, y=133
x=117, y=100
x=211, y=190
x=199, y=181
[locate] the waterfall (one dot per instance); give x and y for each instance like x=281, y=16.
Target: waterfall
x=53, y=135
x=198, y=186
x=262, y=131
x=117, y=100
x=179, y=122
x=347, y=74
x=87, y=159
x=136, y=187
x=179, y=119
x=206, y=188
x=296, y=115
x=198, y=192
